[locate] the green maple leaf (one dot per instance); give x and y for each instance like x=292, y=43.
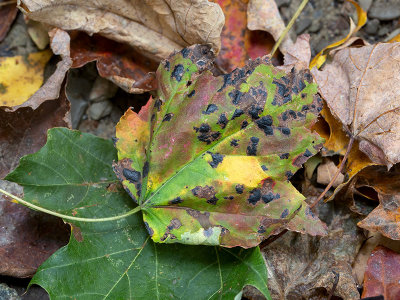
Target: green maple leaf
x=72, y=174
x=209, y=160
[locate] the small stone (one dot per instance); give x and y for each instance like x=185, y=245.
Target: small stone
x=372, y=26
x=102, y=90
x=315, y=26
x=302, y=25
x=365, y=4
x=280, y=3
x=383, y=31
x=8, y=293
x=385, y=10
x=99, y=110
x=78, y=108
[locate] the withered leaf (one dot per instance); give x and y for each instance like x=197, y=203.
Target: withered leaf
x=154, y=28
x=361, y=88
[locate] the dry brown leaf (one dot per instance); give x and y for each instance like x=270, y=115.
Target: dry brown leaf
x=361, y=88
x=264, y=15
x=300, y=265
x=154, y=27
x=326, y=171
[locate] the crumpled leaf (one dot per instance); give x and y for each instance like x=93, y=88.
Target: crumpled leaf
x=21, y=77
x=382, y=276
x=72, y=174
x=209, y=161
x=264, y=15
x=360, y=88
x=321, y=57
x=300, y=265
x=154, y=28
x=117, y=62
x=385, y=217
x=238, y=43
x=7, y=16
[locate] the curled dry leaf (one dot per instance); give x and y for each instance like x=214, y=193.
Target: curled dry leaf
x=325, y=173
x=264, y=15
x=385, y=217
x=115, y=61
x=382, y=277
x=154, y=28
x=361, y=88
x=209, y=160
x=302, y=267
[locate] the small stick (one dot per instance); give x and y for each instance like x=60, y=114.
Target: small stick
x=289, y=26
x=341, y=166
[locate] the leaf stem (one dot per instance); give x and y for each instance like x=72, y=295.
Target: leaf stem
x=289, y=26
x=70, y=218
x=341, y=166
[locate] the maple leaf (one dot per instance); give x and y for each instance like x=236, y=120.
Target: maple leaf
x=360, y=87
x=382, y=276
x=209, y=160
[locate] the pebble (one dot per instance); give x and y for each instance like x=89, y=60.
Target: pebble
x=98, y=110
x=372, y=26
x=385, y=10
x=302, y=25
x=365, y=4
x=102, y=90
x=8, y=293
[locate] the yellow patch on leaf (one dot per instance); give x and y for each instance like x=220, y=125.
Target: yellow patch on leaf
x=21, y=77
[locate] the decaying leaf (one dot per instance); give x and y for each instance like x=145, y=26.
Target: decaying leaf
x=300, y=265
x=385, y=217
x=72, y=174
x=238, y=44
x=154, y=28
x=325, y=173
x=115, y=61
x=361, y=89
x=382, y=276
x=209, y=160
x=7, y=16
x=264, y=15
x=21, y=77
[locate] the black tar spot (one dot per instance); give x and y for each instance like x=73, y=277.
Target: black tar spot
x=285, y=213
x=222, y=121
x=255, y=196
x=307, y=153
x=132, y=176
x=168, y=117
x=149, y=230
x=178, y=72
x=254, y=111
x=235, y=96
x=158, y=104
x=244, y=124
x=239, y=188
x=305, y=107
x=267, y=198
x=234, y=143
x=210, y=109
x=284, y=156
x=145, y=169
x=185, y=52
x=166, y=65
x=265, y=169
x=252, y=147
x=261, y=229
x=177, y=200
x=191, y=94
x=265, y=123
x=288, y=174
x=237, y=113
x=216, y=159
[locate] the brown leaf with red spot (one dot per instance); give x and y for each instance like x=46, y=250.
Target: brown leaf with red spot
x=382, y=276
x=115, y=61
x=7, y=16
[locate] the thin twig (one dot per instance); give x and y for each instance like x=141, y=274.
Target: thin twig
x=271, y=239
x=289, y=26
x=341, y=166
x=335, y=283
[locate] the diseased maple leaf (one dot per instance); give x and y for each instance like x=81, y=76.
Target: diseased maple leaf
x=209, y=160
x=361, y=89
x=382, y=277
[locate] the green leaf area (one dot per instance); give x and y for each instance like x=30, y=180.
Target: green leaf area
x=210, y=158
x=72, y=175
